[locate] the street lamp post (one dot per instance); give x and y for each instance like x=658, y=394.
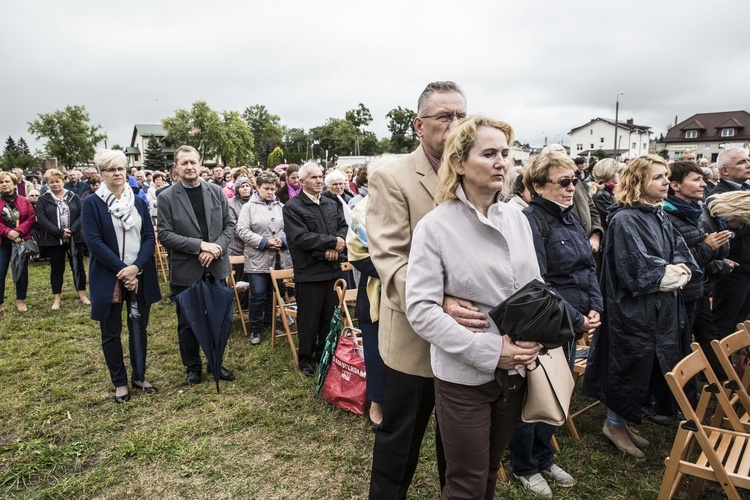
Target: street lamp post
x=617, y=116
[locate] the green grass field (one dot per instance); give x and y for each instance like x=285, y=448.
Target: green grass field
x=267, y=435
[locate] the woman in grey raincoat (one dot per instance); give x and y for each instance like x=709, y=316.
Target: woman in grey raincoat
x=646, y=262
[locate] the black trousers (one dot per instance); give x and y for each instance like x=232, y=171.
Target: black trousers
x=731, y=302
x=111, y=329
x=409, y=402
x=316, y=301
x=57, y=255
x=189, y=346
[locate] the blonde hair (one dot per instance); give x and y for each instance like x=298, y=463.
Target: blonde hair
x=459, y=142
x=108, y=158
x=603, y=171
x=12, y=176
x=53, y=172
x=538, y=171
x=630, y=189
x=732, y=205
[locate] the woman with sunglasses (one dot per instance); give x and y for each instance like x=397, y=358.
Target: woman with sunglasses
x=567, y=265
x=645, y=264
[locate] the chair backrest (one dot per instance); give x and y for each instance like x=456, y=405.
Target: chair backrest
x=345, y=296
x=236, y=259
x=690, y=366
x=346, y=266
x=276, y=275
x=736, y=388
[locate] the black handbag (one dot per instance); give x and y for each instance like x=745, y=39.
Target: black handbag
x=535, y=313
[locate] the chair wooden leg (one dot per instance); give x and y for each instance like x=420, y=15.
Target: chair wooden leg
x=555, y=446
x=501, y=474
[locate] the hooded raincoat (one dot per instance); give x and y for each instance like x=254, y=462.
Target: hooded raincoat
x=640, y=324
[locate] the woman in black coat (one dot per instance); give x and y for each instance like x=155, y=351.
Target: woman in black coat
x=59, y=214
x=645, y=264
x=686, y=187
x=120, y=237
x=566, y=263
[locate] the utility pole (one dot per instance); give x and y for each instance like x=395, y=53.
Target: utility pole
x=617, y=117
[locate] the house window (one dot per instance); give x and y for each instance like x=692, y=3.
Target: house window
x=592, y=147
x=727, y=132
x=579, y=147
x=645, y=145
x=634, y=145
x=601, y=139
x=591, y=130
x=691, y=134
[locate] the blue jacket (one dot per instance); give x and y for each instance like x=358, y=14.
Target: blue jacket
x=105, y=263
x=566, y=262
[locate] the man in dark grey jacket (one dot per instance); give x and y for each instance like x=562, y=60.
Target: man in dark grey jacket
x=316, y=234
x=195, y=224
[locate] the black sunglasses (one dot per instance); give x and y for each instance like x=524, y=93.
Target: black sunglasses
x=566, y=181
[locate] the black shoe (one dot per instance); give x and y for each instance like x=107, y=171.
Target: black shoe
x=224, y=374
x=373, y=425
x=308, y=371
x=193, y=377
x=139, y=385
x=122, y=399
x=663, y=419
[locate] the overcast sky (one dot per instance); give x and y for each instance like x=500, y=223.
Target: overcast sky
x=543, y=66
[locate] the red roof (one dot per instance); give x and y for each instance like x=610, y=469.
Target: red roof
x=710, y=125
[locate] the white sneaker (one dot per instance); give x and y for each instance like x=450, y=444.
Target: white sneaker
x=559, y=476
x=536, y=485
x=255, y=338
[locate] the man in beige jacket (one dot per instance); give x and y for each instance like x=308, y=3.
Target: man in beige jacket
x=401, y=193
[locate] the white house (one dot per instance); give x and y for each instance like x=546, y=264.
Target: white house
x=142, y=133
x=599, y=134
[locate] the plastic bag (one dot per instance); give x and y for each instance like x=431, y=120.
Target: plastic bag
x=346, y=383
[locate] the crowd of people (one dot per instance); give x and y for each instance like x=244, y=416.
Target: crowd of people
x=646, y=254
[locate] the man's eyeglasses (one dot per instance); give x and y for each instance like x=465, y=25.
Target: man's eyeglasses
x=446, y=117
x=114, y=169
x=565, y=181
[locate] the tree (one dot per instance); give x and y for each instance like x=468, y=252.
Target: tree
x=22, y=147
x=359, y=117
x=336, y=135
x=17, y=155
x=154, y=158
x=236, y=140
x=199, y=127
x=70, y=137
x=401, y=125
x=267, y=129
x=117, y=147
x=296, y=140
x=276, y=157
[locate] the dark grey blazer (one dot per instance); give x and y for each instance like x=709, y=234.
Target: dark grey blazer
x=178, y=230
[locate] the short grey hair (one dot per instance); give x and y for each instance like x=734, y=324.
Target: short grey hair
x=335, y=175
x=107, y=158
x=723, y=159
x=304, y=169
x=434, y=87
x=186, y=149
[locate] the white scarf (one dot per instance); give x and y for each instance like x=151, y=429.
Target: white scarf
x=119, y=208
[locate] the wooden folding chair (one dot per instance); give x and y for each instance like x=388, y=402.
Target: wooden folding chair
x=162, y=260
x=283, y=309
x=724, y=454
x=579, y=369
x=347, y=298
x=238, y=289
x=735, y=388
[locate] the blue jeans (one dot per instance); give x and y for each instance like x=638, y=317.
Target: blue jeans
x=260, y=302
x=6, y=248
x=530, y=447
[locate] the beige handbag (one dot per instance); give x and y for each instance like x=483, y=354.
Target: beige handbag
x=549, y=388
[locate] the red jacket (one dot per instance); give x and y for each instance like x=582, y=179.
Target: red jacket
x=26, y=218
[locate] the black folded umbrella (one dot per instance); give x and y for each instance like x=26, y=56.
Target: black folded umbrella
x=537, y=314
x=208, y=308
